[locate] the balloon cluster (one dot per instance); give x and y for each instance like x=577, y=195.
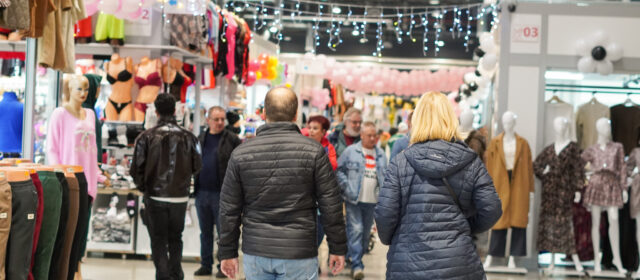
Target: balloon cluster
x=476, y=82
x=124, y=9
x=319, y=97
x=366, y=78
x=267, y=68
x=598, y=54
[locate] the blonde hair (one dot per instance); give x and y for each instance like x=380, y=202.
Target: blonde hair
x=434, y=119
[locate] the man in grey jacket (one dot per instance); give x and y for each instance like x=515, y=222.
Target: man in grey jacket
x=273, y=187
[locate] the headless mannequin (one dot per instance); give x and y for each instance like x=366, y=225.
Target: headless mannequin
x=509, y=142
x=603, y=126
x=120, y=91
x=466, y=121
x=561, y=127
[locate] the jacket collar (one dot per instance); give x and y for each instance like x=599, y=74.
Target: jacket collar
x=165, y=120
x=277, y=128
x=358, y=147
x=500, y=149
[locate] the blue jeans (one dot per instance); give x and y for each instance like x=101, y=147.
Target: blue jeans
x=261, y=268
x=208, y=208
x=359, y=223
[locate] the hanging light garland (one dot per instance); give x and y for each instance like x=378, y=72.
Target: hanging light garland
x=461, y=16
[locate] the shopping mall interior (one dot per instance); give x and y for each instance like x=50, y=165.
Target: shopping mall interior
x=79, y=78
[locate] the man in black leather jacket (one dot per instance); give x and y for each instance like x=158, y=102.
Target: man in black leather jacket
x=273, y=187
x=164, y=160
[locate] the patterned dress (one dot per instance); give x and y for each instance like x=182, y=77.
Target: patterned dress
x=559, y=184
x=609, y=176
x=634, y=200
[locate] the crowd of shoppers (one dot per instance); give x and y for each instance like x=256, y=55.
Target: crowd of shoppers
x=286, y=190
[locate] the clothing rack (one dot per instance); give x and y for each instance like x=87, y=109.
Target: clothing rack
x=591, y=89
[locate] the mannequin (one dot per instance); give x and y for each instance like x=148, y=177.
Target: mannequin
x=555, y=209
x=466, y=121
x=604, y=144
x=175, y=77
x=119, y=74
x=149, y=81
x=633, y=166
x=510, y=166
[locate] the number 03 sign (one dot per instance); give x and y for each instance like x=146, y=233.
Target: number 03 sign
x=526, y=33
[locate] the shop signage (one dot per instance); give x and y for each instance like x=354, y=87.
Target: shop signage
x=526, y=33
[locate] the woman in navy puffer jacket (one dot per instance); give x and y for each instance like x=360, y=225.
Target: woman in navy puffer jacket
x=429, y=235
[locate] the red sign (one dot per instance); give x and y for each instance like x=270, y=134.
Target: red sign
x=526, y=33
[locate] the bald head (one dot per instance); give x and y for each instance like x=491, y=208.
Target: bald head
x=281, y=105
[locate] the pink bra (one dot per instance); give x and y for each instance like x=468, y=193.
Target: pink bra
x=152, y=79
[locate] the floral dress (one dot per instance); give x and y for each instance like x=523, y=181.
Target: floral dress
x=559, y=184
x=609, y=176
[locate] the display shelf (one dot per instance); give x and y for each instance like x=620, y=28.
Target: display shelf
x=606, y=274
x=124, y=123
x=106, y=49
x=13, y=46
x=563, y=273
x=506, y=270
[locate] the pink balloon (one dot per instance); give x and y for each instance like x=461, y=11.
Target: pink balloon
x=251, y=78
x=254, y=65
x=91, y=7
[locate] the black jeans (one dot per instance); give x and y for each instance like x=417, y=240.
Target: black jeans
x=165, y=222
x=80, y=237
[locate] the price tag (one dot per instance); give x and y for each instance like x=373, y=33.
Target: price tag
x=526, y=33
x=31, y=216
x=70, y=170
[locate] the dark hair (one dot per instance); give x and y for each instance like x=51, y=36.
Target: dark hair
x=281, y=105
x=324, y=122
x=393, y=131
x=165, y=105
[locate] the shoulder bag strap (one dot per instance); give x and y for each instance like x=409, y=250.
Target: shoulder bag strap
x=452, y=193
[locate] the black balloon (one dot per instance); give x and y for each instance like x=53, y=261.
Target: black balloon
x=479, y=52
x=458, y=99
x=467, y=92
x=478, y=73
x=598, y=53
x=473, y=86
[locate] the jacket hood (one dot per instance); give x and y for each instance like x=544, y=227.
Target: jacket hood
x=437, y=159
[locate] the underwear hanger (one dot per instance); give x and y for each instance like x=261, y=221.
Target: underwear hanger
x=14, y=174
x=36, y=166
x=69, y=170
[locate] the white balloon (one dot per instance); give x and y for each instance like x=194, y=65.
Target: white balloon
x=470, y=77
x=483, y=81
x=487, y=43
x=108, y=7
x=600, y=38
x=473, y=101
x=582, y=49
x=604, y=67
x=614, y=52
x=488, y=62
x=586, y=64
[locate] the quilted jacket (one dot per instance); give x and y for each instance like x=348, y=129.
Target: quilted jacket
x=428, y=234
x=273, y=187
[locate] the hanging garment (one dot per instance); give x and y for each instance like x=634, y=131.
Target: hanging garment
x=634, y=195
x=56, y=257
x=514, y=194
x=11, y=114
x=609, y=176
x=39, y=15
x=90, y=103
x=109, y=27
x=24, y=204
x=230, y=35
x=53, y=55
x=5, y=222
x=564, y=177
x=39, y=212
x=84, y=29
x=588, y=115
x=72, y=222
x=186, y=32
x=625, y=127
x=17, y=16
x=73, y=141
x=79, y=237
x=52, y=193
x=553, y=111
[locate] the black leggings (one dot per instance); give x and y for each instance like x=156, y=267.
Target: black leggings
x=24, y=203
x=62, y=226
x=80, y=237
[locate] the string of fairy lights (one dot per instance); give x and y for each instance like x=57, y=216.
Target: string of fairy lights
x=330, y=19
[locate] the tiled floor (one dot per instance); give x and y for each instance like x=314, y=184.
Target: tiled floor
x=118, y=269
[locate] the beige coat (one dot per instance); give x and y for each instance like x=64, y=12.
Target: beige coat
x=515, y=194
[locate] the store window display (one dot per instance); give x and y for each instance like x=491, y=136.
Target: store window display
x=119, y=74
x=510, y=165
x=554, y=108
x=586, y=118
x=11, y=114
x=606, y=190
x=149, y=80
x=561, y=170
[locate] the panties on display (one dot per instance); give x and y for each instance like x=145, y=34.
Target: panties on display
x=111, y=222
x=119, y=106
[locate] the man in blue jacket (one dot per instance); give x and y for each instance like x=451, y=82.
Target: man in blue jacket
x=360, y=174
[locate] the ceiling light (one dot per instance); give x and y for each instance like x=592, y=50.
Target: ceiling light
x=336, y=10
x=273, y=29
x=355, y=32
x=363, y=40
x=440, y=43
x=238, y=9
x=287, y=38
x=434, y=2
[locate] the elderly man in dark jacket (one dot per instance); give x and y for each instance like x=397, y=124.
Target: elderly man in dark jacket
x=164, y=159
x=217, y=145
x=273, y=187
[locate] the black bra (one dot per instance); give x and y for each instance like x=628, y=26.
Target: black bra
x=178, y=80
x=123, y=76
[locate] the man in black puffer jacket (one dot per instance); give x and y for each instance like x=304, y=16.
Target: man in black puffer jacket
x=273, y=186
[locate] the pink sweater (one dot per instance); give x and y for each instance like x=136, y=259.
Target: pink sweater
x=72, y=141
